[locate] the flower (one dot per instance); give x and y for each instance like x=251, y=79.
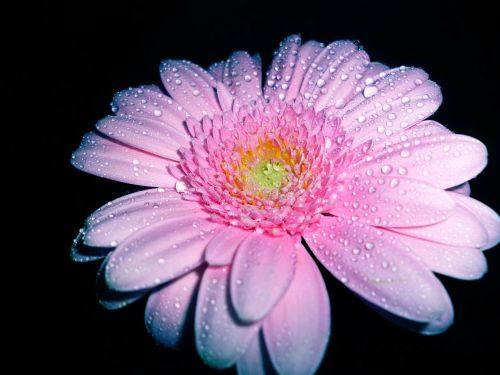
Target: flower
x=334, y=153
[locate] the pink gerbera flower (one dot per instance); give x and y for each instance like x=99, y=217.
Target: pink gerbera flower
x=335, y=153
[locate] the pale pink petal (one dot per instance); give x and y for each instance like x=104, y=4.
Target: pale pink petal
x=297, y=330
x=252, y=362
x=243, y=77
x=461, y=228
x=411, y=135
x=220, y=338
x=159, y=253
x=105, y=158
x=149, y=102
x=224, y=96
x=82, y=253
x=307, y=54
x=380, y=269
x=488, y=218
x=332, y=78
x=191, y=88
x=115, y=221
x=168, y=309
x=145, y=135
x=281, y=71
x=370, y=74
x=112, y=299
x=262, y=271
x=391, y=201
x=442, y=160
x=399, y=99
x=220, y=250
x=459, y=262
x=463, y=189
x=217, y=70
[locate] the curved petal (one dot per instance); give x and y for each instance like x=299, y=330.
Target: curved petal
x=252, y=362
x=105, y=158
x=243, y=77
x=463, y=189
x=443, y=160
x=159, y=253
x=82, y=253
x=220, y=250
x=488, y=218
x=217, y=70
x=145, y=135
x=111, y=299
x=461, y=228
x=307, y=53
x=262, y=271
x=398, y=99
x=461, y=263
x=333, y=77
x=191, y=87
x=391, y=201
x=168, y=309
x=371, y=73
x=220, y=338
x=280, y=73
x=298, y=328
x=149, y=102
x=377, y=266
x=117, y=220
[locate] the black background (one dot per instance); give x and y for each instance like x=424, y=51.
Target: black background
x=77, y=56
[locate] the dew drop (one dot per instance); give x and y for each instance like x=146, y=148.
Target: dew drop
x=386, y=169
x=369, y=91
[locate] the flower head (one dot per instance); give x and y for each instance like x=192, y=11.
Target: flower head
x=335, y=151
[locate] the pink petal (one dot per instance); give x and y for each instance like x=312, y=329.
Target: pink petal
x=220, y=250
x=167, y=309
x=111, y=299
x=379, y=268
x=159, y=253
x=298, y=328
x=461, y=263
x=371, y=74
x=411, y=135
x=243, y=77
x=117, y=220
x=262, y=271
x=443, y=160
x=145, y=135
x=332, y=77
x=224, y=96
x=307, y=54
x=82, y=253
x=217, y=70
x=280, y=73
x=149, y=102
x=399, y=99
x=461, y=228
x=191, y=87
x=252, y=361
x=220, y=338
x=391, y=201
x=463, y=189
x=105, y=158
x=488, y=218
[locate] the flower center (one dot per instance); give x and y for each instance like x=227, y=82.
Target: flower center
x=265, y=168
x=268, y=166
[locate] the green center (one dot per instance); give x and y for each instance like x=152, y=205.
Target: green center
x=268, y=174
